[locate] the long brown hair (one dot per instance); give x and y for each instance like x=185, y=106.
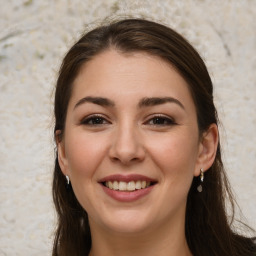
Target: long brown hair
x=208, y=228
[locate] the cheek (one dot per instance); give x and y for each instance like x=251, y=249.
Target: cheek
x=84, y=153
x=175, y=155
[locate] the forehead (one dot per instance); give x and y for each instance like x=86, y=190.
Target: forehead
x=134, y=75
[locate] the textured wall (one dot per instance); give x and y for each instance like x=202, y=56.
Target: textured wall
x=34, y=35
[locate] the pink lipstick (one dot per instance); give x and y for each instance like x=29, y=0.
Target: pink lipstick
x=127, y=188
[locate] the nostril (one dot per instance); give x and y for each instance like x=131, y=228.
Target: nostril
x=126, y=147
x=115, y=159
x=125, y=161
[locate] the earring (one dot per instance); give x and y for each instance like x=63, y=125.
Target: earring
x=200, y=187
x=68, y=182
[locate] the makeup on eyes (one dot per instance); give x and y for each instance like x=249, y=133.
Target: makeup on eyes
x=154, y=120
x=160, y=115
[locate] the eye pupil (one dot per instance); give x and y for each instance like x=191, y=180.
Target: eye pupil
x=159, y=120
x=94, y=120
x=97, y=120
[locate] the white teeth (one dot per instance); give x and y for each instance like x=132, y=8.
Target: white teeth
x=115, y=185
x=138, y=185
x=131, y=186
x=122, y=185
x=127, y=186
x=109, y=184
x=143, y=184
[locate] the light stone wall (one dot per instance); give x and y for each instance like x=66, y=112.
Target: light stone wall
x=34, y=35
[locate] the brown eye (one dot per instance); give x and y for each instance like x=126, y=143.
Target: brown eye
x=161, y=121
x=94, y=120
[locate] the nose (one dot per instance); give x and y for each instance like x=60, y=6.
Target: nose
x=127, y=147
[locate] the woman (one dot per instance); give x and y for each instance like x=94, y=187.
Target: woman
x=138, y=168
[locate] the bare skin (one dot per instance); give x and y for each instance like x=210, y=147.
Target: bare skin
x=133, y=115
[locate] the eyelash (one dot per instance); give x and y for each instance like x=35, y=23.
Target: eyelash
x=94, y=120
x=158, y=120
x=162, y=120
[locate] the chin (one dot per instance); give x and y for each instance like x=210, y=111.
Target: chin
x=127, y=227
x=126, y=221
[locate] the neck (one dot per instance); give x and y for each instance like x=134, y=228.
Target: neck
x=161, y=241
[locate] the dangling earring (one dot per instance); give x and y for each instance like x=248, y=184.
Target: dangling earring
x=200, y=187
x=68, y=182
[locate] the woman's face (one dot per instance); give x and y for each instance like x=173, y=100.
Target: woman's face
x=131, y=144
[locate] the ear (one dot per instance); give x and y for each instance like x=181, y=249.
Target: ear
x=207, y=149
x=63, y=163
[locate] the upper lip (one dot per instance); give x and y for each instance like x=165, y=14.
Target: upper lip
x=127, y=178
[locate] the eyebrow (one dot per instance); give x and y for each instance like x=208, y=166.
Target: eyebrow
x=96, y=100
x=145, y=102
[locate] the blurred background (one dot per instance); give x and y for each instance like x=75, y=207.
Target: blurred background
x=34, y=36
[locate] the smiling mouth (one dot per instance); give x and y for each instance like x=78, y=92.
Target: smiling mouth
x=128, y=186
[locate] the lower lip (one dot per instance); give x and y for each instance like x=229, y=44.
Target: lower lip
x=127, y=196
